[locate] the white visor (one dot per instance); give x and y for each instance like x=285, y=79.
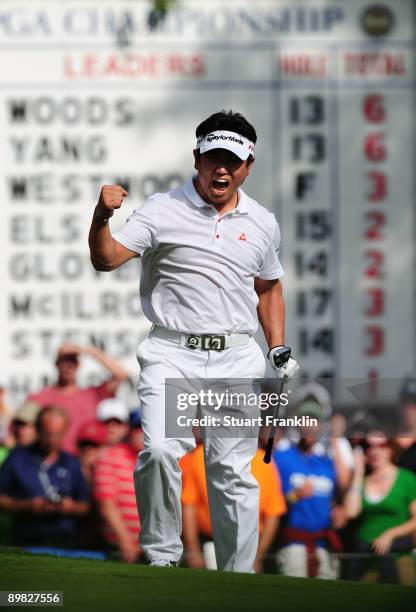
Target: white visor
x=221, y=139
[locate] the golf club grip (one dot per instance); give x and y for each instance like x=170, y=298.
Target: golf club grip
x=269, y=449
x=270, y=440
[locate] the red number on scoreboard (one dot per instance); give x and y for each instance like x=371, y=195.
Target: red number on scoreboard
x=376, y=221
x=375, y=267
x=378, y=182
x=375, y=336
x=373, y=108
x=374, y=147
x=375, y=151
x=375, y=302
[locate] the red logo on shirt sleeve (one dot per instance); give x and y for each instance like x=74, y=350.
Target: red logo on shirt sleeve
x=242, y=236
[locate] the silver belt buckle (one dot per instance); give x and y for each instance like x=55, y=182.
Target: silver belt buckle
x=193, y=342
x=209, y=342
x=206, y=342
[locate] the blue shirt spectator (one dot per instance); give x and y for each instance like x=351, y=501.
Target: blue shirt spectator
x=43, y=487
x=311, y=512
x=308, y=481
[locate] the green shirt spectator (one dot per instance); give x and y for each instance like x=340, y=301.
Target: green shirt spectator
x=384, y=501
x=391, y=511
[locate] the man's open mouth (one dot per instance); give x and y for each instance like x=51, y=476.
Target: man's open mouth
x=220, y=184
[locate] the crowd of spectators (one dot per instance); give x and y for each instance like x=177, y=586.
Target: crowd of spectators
x=330, y=506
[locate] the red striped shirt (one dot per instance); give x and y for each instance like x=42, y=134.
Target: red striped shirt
x=113, y=479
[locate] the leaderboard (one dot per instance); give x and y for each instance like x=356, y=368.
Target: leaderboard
x=348, y=212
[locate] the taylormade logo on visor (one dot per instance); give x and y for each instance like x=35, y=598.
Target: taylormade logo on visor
x=222, y=139
x=212, y=137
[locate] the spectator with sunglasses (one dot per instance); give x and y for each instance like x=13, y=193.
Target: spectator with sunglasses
x=384, y=502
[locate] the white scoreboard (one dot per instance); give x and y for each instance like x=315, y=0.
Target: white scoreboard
x=97, y=91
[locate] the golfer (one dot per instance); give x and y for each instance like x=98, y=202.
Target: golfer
x=210, y=272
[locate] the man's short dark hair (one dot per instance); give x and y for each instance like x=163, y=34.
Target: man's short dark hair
x=50, y=409
x=227, y=120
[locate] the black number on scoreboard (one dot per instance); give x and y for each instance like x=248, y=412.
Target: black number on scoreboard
x=309, y=110
x=316, y=263
x=321, y=340
x=314, y=225
x=309, y=147
x=314, y=302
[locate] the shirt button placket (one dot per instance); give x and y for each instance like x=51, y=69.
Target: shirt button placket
x=217, y=231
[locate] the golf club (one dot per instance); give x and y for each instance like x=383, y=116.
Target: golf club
x=280, y=359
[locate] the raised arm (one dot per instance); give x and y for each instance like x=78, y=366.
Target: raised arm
x=106, y=253
x=118, y=373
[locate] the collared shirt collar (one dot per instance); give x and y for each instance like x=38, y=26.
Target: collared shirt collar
x=39, y=456
x=191, y=193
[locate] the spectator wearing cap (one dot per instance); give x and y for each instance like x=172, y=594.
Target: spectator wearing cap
x=22, y=427
x=113, y=487
x=384, y=501
x=43, y=488
x=114, y=415
x=197, y=529
x=309, y=484
x=407, y=439
x=80, y=403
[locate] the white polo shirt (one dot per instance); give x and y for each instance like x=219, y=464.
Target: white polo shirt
x=198, y=268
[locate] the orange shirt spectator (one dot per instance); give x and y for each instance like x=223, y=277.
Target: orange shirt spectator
x=194, y=489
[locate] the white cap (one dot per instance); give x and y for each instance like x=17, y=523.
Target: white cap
x=112, y=408
x=221, y=139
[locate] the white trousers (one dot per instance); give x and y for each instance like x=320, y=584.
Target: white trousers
x=292, y=561
x=232, y=490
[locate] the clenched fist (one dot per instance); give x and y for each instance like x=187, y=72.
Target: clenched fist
x=111, y=197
